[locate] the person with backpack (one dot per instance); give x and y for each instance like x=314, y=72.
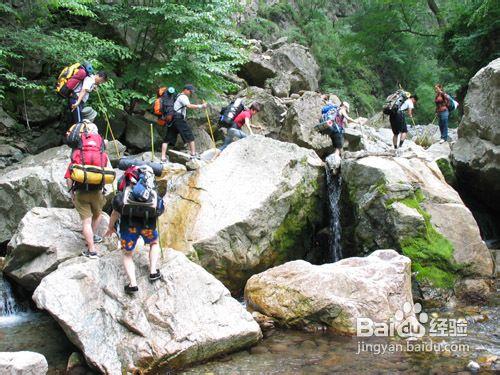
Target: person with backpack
x=87, y=194
x=243, y=118
x=397, y=119
x=179, y=124
x=137, y=207
x=81, y=92
x=442, y=102
x=336, y=119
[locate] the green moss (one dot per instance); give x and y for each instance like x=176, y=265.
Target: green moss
x=447, y=171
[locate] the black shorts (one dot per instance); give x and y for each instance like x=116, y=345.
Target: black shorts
x=337, y=139
x=398, y=123
x=179, y=126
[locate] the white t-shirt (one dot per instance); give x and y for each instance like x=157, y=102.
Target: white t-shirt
x=87, y=84
x=408, y=104
x=181, y=103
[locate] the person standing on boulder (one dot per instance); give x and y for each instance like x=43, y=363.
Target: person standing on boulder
x=242, y=119
x=179, y=124
x=442, y=113
x=398, y=120
x=81, y=94
x=337, y=124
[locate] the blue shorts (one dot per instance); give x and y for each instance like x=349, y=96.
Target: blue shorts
x=130, y=235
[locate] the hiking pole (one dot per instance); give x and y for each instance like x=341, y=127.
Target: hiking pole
x=152, y=143
x=210, y=126
x=108, y=126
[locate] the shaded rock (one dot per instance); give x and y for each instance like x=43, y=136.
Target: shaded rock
x=186, y=317
x=435, y=224
x=6, y=122
x=300, y=294
x=138, y=133
x=254, y=206
x=48, y=138
x=76, y=364
x=45, y=238
x=115, y=150
x=476, y=154
x=23, y=363
x=475, y=291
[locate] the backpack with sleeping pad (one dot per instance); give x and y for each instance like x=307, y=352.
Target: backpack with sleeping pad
x=395, y=101
x=140, y=195
x=331, y=120
x=229, y=113
x=163, y=106
x=71, y=76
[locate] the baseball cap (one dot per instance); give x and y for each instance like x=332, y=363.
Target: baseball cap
x=189, y=87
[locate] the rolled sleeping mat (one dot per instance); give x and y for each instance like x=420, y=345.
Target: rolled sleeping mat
x=125, y=163
x=89, y=174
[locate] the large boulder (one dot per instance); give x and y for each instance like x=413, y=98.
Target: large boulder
x=298, y=127
x=255, y=206
x=23, y=363
x=37, y=181
x=333, y=295
x=45, y=238
x=287, y=69
x=138, y=133
x=476, y=154
x=406, y=204
x=186, y=317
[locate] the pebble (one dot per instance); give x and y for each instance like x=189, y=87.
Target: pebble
x=259, y=350
x=473, y=366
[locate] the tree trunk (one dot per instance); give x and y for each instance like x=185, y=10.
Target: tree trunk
x=435, y=9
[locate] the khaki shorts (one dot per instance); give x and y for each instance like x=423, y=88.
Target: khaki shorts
x=89, y=203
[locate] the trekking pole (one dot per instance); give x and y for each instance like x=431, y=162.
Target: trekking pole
x=210, y=126
x=159, y=238
x=152, y=143
x=434, y=119
x=108, y=126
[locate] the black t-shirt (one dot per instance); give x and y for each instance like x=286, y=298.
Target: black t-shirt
x=127, y=221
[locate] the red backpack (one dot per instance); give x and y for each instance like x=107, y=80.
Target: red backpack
x=90, y=151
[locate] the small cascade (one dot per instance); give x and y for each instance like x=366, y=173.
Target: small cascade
x=334, y=188
x=8, y=305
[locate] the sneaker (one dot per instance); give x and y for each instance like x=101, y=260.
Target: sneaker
x=131, y=289
x=441, y=141
x=90, y=254
x=155, y=276
x=97, y=239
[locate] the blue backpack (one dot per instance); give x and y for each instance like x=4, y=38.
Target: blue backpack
x=453, y=103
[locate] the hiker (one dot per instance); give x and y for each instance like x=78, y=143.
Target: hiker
x=339, y=119
x=398, y=120
x=137, y=219
x=88, y=198
x=179, y=124
x=81, y=94
x=442, y=112
x=243, y=118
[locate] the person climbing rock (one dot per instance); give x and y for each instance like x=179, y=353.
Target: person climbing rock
x=398, y=120
x=81, y=94
x=338, y=120
x=242, y=119
x=442, y=103
x=179, y=124
x=137, y=218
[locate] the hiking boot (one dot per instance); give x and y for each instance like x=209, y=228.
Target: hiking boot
x=90, y=254
x=97, y=238
x=155, y=276
x=131, y=289
x=441, y=141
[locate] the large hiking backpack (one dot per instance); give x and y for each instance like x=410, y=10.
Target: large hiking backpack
x=452, y=103
x=229, y=113
x=395, y=101
x=331, y=120
x=74, y=133
x=70, y=77
x=163, y=106
x=140, y=195
x=89, y=162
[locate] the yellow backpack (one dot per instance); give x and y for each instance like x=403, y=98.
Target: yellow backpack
x=70, y=77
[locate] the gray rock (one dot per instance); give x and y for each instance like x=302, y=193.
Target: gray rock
x=334, y=295
x=6, y=122
x=23, y=363
x=45, y=238
x=254, y=206
x=186, y=317
x=138, y=133
x=476, y=154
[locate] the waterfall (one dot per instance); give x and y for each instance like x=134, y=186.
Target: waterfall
x=10, y=311
x=334, y=188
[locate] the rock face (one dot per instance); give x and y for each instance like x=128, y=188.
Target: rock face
x=476, y=154
x=298, y=128
x=405, y=203
x=45, y=238
x=36, y=181
x=23, y=363
x=138, y=133
x=287, y=69
x=255, y=206
x=186, y=317
x=300, y=294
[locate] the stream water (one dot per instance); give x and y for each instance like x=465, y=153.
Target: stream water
x=334, y=188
